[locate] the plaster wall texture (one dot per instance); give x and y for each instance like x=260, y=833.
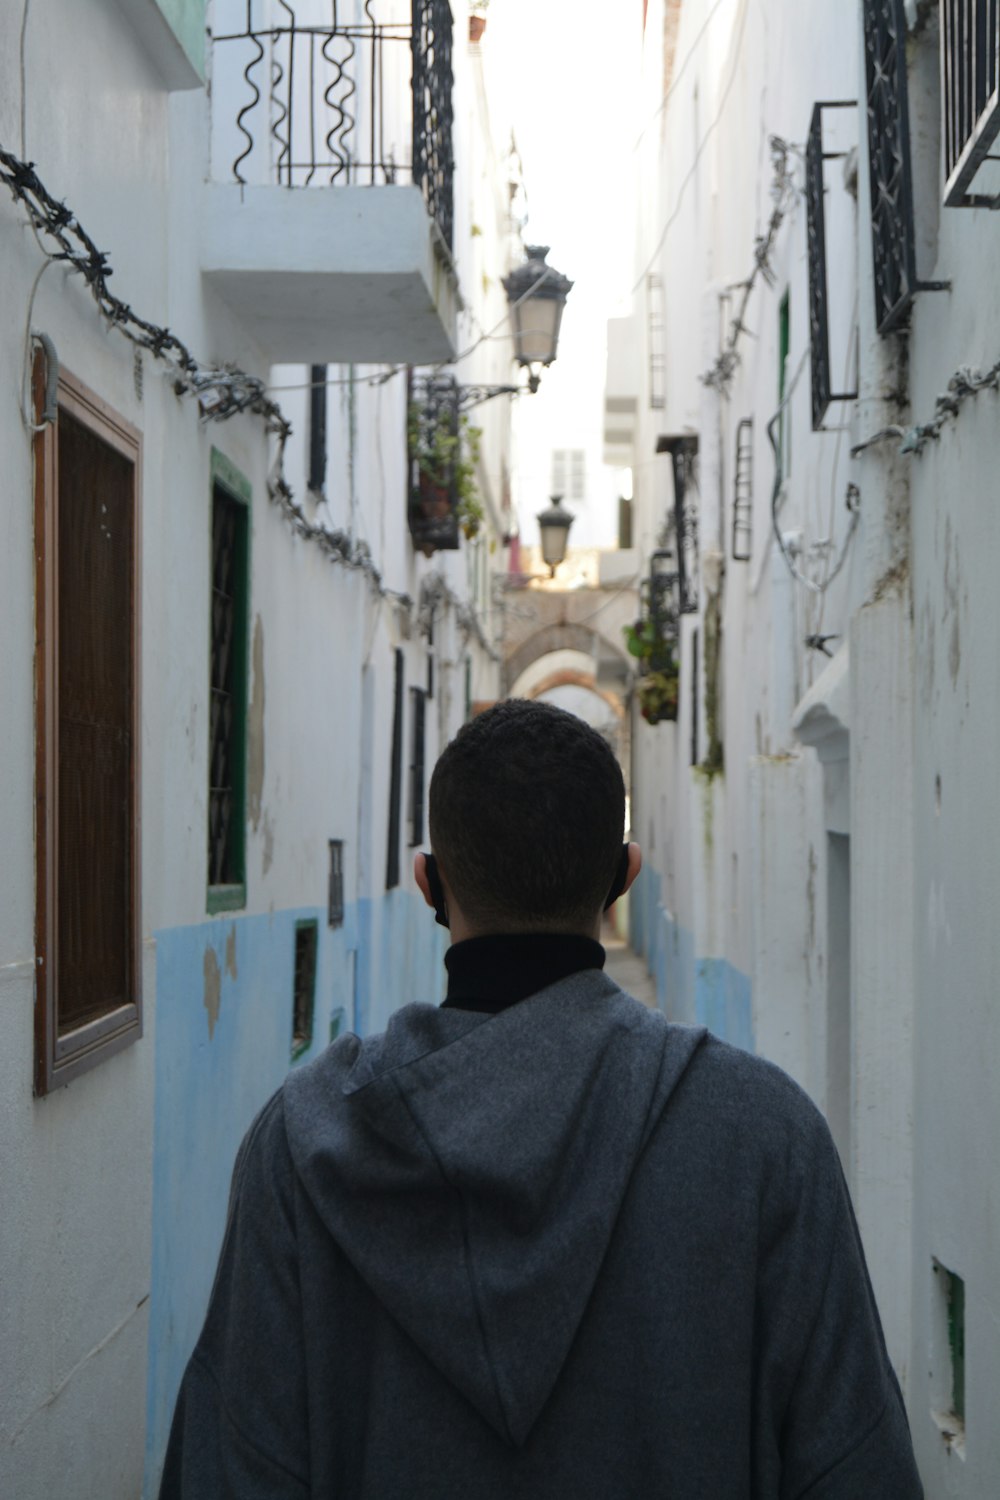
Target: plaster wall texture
x=862, y=877
x=114, y=1187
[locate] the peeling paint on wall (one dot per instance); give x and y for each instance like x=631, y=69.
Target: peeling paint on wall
x=213, y=989
x=255, y=728
x=231, y=953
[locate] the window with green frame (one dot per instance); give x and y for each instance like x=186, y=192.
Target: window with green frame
x=228, y=667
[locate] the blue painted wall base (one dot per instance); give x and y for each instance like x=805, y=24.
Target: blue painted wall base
x=690, y=989
x=223, y=1018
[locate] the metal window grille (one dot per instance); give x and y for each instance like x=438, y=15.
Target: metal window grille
x=317, y=429
x=226, y=710
x=318, y=100
x=743, y=493
x=419, y=699
x=395, y=777
x=433, y=152
x=684, y=456
x=304, y=985
x=657, y=351
x=819, y=324
x=335, y=885
x=970, y=77
x=434, y=416
x=891, y=184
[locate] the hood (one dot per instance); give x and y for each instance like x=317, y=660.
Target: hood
x=472, y=1168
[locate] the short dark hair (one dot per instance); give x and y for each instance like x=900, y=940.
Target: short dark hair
x=527, y=815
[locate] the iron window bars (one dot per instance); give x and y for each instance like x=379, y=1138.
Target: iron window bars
x=970, y=90
x=434, y=448
x=684, y=456
x=743, y=493
x=890, y=176
x=326, y=89
x=304, y=985
x=819, y=325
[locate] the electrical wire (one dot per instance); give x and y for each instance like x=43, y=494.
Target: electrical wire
x=671, y=220
x=221, y=391
x=678, y=75
x=807, y=582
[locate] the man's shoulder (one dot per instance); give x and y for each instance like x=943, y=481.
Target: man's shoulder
x=737, y=1096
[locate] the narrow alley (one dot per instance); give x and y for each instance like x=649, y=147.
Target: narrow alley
x=367, y=365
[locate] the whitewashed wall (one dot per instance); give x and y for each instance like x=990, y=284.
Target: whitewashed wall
x=877, y=991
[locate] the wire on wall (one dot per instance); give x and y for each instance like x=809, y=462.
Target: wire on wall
x=783, y=196
x=221, y=391
x=964, y=384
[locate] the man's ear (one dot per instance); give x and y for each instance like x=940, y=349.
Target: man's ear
x=420, y=876
x=634, y=865
x=425, y=871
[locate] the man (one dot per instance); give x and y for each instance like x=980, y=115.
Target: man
x=537, y=1242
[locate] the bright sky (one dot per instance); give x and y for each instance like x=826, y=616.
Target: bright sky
x=564, y=73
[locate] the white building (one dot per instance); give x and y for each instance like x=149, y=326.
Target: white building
x=228, y=665
x=811, y=421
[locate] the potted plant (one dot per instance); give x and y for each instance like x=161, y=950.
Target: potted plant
x=658, y=687
x=444, y=453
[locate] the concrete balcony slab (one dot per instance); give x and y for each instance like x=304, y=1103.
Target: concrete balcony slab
x=332, y=275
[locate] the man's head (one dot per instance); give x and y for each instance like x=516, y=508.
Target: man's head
x=527, y=813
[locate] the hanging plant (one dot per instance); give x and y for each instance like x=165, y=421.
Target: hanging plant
x=659, y=686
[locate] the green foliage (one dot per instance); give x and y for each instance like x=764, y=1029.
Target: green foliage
x=659, y=686
x=447, y=456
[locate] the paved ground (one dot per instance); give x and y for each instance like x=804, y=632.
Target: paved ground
x=629, y=971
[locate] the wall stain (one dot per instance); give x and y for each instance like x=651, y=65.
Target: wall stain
x=231, y=952
x=255, y=728
x=213, y=989
x=268, y=843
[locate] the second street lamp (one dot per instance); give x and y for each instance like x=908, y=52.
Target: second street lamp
x=554, y=525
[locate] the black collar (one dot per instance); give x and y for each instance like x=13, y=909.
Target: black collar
x=489, y=973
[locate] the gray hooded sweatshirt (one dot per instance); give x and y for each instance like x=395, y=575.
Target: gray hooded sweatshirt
x=566, y=1250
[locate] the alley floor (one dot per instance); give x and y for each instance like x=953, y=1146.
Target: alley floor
x=629, y=971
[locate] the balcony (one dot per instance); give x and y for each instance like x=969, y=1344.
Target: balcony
x=327, y=222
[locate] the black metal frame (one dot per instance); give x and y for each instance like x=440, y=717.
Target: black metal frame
x=433, y=151
x=684, y=456
x=329, y=64
x=819, y=324
x=890, y=175
x=432, y=509
x=743, y=492
x=970, y=97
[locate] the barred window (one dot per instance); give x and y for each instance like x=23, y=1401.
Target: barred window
x=970, y=44
x=304, y=985
x=228, y=690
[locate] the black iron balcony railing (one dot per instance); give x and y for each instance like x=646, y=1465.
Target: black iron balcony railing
x=970, y=73
x=340, y=102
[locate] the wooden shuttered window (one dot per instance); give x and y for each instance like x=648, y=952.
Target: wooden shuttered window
x=88, y=993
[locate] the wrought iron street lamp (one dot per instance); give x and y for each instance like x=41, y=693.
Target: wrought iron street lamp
x=536, y=294
x=554, y=525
